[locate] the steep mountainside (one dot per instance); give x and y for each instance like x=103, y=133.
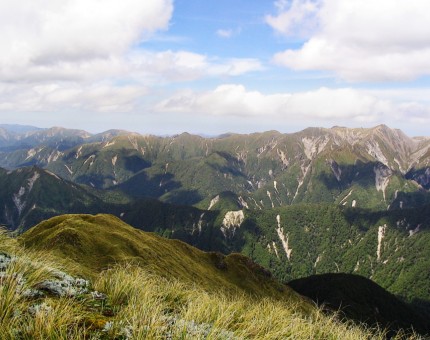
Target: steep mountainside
x=391, y=248
x=29, y=195
x=312, y=202
x=377, y=168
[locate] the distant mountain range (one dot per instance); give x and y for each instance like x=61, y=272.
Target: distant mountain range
x=375, y=168
x=312, y=202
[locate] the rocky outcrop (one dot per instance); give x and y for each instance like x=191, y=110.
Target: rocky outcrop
x=231, y=221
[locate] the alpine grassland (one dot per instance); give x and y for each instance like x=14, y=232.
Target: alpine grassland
x=55, y=285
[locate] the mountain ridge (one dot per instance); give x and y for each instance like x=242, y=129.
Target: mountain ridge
x=96, y=242
x=251, y=161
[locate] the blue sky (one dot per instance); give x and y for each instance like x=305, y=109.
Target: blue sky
x=208, y=67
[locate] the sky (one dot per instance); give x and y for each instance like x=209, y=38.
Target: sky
x=215, y=66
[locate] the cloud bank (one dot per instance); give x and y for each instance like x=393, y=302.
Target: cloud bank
x=343, y=105
x=364, y=40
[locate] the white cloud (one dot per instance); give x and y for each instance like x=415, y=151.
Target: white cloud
x=141, y=69
x=222, y=33
x=99, y=97
x=72, y=54
x=155, y=67
x=225, y=100
x=41, y=36
x=319, y=107
x=296, y=18
x=235, y=67
x=358, y=40
x=93, y=40
x=158, y=67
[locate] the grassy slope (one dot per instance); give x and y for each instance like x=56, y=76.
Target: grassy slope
x=97, y=242
x=171, y=290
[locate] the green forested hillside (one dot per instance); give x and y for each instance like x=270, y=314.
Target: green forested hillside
x=391, y=248
x=29, y=195
x=375, y=168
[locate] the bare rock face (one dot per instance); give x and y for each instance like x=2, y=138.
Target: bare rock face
x=231, y=221
x=283, y=238
x=335, y=168
x=382, y=177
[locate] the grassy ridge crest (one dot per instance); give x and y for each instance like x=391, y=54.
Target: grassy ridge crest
x=155, y=288
x=97, y=242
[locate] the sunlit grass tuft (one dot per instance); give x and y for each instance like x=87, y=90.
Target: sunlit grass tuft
x=157, y=307
x=24, y=316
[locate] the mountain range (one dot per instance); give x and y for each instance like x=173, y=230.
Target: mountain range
x=312, y=202
x=375, y=168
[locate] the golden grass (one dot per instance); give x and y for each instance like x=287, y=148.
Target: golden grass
x=142, y=304
x=19, y=319
x=156, y=307
x=98, y=242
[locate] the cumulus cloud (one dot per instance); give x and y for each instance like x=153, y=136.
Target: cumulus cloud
x=235, y=67
x=358, y=40
x=73, y=54
x=226, y=99
x=89, y=40
x=80, y=53
x=88, y=87
x=296, y=18
x=186, y=66
x=43, y=34
x=321, y=106
x=97, y=97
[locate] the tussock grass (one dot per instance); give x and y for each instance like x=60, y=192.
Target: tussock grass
x=24, y=317
x=141, y=303
x=56, y=319
x=158, y=308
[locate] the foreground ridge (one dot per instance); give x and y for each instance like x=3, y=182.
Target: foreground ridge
x=136, y=300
